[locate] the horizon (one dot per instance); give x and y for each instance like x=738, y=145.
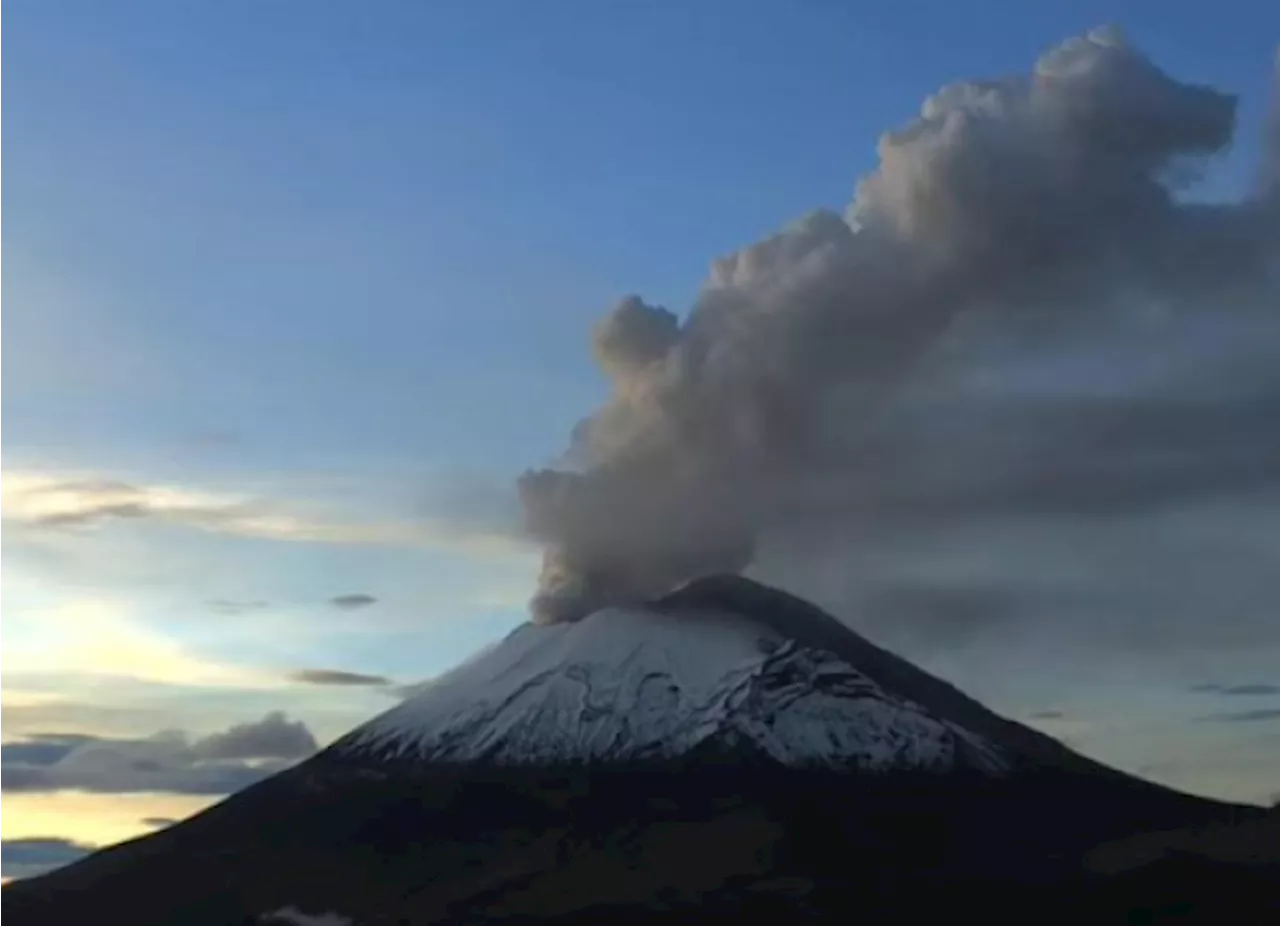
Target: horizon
x=296, y=295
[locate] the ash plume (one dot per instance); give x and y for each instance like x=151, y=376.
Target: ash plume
x=1051, y=195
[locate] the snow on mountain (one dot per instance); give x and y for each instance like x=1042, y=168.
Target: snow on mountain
x=639, y=683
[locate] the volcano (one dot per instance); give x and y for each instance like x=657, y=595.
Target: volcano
x=724, y=753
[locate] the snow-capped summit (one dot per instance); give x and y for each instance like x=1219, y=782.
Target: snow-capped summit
x=722, y=663
x=640, y=682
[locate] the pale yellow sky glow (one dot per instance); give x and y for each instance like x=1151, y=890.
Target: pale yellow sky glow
x=96, y=819
x=18, y=697
x=96, y=637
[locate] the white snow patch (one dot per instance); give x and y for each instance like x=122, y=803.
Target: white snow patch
x=628, y=683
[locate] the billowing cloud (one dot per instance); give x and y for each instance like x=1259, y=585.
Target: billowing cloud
x=272, y=737
x=337, y=677
x=26, y=858
x=1020, y=323
x=352, y=601
x=170, y=761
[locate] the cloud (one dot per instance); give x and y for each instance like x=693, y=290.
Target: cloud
x=26, y=858
x=1247, y=689
x=337, y=677
x=42, y=749
x=170, y=761
x=1251, y=689
x=1018, y=319
x=272, y=737
x=1250, y=716
x=48, y=500
x=1047, y=715
x=351, y=602
x=159, y=822
x=229, y=606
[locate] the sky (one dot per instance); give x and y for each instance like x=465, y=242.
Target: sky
x=295, y=292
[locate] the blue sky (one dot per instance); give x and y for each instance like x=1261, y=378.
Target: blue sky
x=317, y=281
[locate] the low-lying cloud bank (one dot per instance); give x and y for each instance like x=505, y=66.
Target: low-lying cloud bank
x=170, y=761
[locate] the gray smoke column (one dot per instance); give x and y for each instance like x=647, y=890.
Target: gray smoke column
x=1047, y=191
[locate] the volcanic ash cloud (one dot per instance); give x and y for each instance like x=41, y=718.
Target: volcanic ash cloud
x=1046, y=192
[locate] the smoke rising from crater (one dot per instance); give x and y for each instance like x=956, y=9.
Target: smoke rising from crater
x=754, y=417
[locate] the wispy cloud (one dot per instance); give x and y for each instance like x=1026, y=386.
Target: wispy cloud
x=337, y=677
x=1246, y=689
x=1256, y=715
x=231, y=606
x=61, y=501
x=351, y=602
x=48, y=501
